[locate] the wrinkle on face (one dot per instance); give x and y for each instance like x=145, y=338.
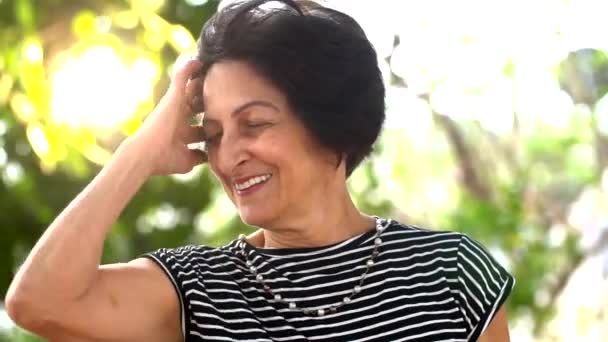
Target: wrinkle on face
x=258, y=133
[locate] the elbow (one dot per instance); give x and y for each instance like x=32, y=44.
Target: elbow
x=17, y=308
x=22, y=311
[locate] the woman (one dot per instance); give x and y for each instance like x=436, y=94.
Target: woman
x=293, y=102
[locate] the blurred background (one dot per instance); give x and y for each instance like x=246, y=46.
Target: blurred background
x=497, y=127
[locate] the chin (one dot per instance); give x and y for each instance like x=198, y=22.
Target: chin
x=253, y=218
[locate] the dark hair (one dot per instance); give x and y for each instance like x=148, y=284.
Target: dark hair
x=318, y=57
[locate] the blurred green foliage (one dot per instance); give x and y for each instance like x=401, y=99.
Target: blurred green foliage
x=18, y=335
x=506, y=191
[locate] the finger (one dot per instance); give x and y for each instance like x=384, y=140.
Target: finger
x=194, y=86
x=198, y=157
x=191, y=134
x=181, y=76
x=194, y=94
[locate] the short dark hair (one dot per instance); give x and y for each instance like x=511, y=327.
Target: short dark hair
x=318, y=57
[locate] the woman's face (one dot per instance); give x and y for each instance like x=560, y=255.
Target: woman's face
x=268, y=164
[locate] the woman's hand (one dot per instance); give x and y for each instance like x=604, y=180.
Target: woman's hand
x=162, y=140
x=61, y=297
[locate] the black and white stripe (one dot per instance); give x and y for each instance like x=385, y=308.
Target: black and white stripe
x=424, y=286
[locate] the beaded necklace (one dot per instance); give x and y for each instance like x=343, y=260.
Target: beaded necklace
x=332, y=308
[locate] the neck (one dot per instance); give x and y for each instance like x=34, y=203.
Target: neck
x=325, y=225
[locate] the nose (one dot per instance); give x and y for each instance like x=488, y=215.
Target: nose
x=233, y=153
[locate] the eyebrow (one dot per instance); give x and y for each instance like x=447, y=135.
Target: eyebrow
x=240, y=109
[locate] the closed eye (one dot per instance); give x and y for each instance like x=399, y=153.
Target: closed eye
x=254, y=125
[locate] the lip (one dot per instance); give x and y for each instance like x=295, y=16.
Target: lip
x=252, y=189
x=242, y=179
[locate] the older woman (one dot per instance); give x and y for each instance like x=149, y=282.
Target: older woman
x=293, y=102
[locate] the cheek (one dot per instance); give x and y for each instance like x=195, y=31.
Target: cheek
x=292, y=161
x=213, y=165
x=302, y=157
x=271, y=148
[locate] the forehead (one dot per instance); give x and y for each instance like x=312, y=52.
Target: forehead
x=229, y=84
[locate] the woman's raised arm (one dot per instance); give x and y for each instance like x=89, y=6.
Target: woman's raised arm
x=61, y=290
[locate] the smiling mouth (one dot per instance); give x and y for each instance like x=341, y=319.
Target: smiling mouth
x=251, y=183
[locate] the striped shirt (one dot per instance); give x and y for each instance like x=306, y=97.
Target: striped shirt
x=424, y=286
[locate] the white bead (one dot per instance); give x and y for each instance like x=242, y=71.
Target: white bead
x=320, y=312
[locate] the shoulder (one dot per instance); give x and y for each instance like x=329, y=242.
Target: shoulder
x=185, y=267
x=408, y=235
x=183, y=252
x=190, y=256
x=431, y=252
x=468, y=253
x=478, y=283
x=431, y=239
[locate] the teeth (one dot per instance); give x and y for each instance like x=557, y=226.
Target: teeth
x=251, y=182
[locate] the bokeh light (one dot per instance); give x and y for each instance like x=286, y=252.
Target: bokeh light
x=98, y=89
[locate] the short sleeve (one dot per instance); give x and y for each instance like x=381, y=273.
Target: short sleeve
x=174, y=262
x=480, y=286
